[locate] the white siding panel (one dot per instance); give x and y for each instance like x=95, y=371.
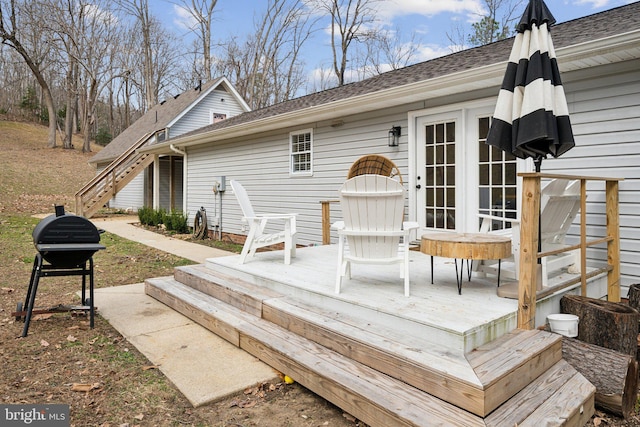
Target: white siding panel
x=131, y=196
x=605, y=114
x=218, y=101
x=262, y=166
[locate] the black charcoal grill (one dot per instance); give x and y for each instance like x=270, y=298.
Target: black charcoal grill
x=67, y=244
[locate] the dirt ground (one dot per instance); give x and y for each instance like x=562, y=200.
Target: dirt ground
x=103, y=378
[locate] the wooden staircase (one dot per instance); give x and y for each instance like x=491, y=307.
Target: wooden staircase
x=377, y=372
x=106, y=184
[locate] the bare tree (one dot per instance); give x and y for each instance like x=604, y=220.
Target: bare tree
x=202, y=13
x=266, y=68
x=145, y=22
x=14, y=24
x=349, y=23
x=385, y=51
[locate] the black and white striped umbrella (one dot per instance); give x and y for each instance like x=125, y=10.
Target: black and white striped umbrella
x=531, y=118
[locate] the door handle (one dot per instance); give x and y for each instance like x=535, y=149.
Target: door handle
x=418, y=186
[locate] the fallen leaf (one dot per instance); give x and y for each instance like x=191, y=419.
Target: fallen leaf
x=139, y=417
x=71, y=338
x=146, y=368
x=43, y=343
x=85, y=387
x=7, y=290
x=597, y=421
x=247, y=404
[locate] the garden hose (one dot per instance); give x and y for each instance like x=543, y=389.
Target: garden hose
x=200, y=224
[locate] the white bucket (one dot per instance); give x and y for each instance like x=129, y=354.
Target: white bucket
x=564, y=324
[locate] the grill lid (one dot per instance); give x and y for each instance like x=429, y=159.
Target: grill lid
x=66, y=240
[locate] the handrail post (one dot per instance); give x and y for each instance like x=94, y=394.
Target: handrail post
x=583, y=237
x=326, y=222
x=613, y=245
x=529, y=227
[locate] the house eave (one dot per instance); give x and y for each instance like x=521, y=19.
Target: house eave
x=618, y=48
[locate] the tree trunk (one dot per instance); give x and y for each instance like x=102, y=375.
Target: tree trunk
x=634, y=296
x=615, y=375
x=607, y=324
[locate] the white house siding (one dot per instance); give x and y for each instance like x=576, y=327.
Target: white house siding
x=218, y=101
x=604, y=106
x=131, y=196
x=261, y=164
x=604, y=103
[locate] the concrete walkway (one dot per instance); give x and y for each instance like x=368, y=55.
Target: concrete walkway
x=203, y=366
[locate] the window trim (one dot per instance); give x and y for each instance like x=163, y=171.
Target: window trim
x=293, y=172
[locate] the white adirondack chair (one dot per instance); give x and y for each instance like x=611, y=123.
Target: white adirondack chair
x=559, y=205
x=257, y=238
x=373, y=226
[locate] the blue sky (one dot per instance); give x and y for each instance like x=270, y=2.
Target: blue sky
x=431, y=20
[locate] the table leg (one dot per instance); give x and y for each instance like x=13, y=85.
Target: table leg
x=469, y=268
x=432, y=269
x=499, y=261
x=459, y=276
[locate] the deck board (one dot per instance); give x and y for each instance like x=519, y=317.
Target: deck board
x=475, y=317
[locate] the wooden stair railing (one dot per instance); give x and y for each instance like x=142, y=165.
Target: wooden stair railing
x=105, y=185
x=529, y=226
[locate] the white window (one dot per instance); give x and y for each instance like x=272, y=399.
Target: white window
x=301, y=155
x=497, y=179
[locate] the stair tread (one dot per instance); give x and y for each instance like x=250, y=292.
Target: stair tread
x=540, y=402
x=341, y=380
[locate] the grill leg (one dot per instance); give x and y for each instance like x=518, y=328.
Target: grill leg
x=31, y=293
x=91, y=305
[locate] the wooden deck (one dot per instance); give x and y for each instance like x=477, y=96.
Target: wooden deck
x=434, y=358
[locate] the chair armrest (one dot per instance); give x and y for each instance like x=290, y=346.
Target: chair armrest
x=272, y=216
x=410, y=225
x=499, y=218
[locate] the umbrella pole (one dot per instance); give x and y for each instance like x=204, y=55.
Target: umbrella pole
x=538, y=162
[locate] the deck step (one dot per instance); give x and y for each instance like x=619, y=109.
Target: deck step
x=369, y=395
x=478, y=382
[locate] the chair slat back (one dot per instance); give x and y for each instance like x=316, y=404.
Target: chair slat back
x=243, y=199
x=372, y=204
x=561, y=203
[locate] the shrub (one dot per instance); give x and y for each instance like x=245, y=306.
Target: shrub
x=148, y=216
x=176, y=221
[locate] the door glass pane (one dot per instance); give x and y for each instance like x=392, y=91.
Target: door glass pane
x=440, y=175
x=497, y=179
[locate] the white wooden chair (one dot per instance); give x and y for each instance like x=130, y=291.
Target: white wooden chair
x=559, y=205
x=373, y=226
x=257, y=238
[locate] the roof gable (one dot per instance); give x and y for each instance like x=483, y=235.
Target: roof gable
x=164, y=115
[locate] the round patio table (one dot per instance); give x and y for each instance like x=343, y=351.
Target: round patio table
x=465, y=246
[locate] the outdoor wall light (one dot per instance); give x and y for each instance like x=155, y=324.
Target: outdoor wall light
x=394, y=136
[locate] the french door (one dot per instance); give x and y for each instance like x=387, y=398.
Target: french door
x=458, y=175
